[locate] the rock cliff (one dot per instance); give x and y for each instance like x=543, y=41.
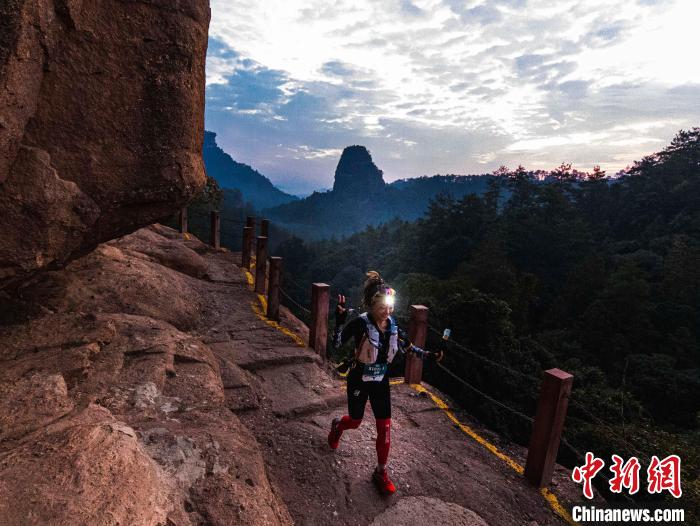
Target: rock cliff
x=101, y=125
x=112, y=408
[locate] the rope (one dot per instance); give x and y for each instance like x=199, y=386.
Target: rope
x=598, y=421
x=229, y=220
x=296, y=303
x=201, y=213
x=602, y=423
x=290, y=280
x=487, y=397
x=581, y=458
x=487, y=360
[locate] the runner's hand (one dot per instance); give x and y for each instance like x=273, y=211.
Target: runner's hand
x=341, y=313
x=434, y=356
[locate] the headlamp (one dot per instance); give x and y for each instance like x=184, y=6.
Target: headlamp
x=388, y=296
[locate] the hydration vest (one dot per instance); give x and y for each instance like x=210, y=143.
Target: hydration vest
x=367, y=351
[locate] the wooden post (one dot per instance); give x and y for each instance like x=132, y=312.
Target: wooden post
x=250, y=221
x=273, y=289
x=549, y=422
x=215, y=238
x=265, y=227
x=417, y=331
x=246, y=247
x=261, y=265
x=183, y=220
x=318, y=332
x=251, y=243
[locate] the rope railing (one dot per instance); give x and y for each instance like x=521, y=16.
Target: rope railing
x=288, y=279
x=484, y=395
x=233, y=221
x=294, y=302
x=484, y=358
x=608, y=427
x=581, y=458
x=203, y=214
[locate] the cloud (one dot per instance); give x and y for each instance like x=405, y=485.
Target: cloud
x=338, y=68
x=445, y=85
x=410, y=8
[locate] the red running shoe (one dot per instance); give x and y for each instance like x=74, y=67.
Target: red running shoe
x=383, y=482
x=334, y=435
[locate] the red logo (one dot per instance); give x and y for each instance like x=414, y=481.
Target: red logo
x=665, y=475
x=662, y=475
x=586, y=473
x=626, y=475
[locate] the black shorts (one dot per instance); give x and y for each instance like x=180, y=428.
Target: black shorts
x=359, y=391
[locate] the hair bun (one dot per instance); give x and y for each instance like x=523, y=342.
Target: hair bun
x=373, y=284
x=373, y=278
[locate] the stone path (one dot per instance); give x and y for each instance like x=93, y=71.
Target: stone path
x=287, y=398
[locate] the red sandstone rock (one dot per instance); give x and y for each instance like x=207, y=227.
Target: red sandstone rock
x=101, y=122
x=161, y=445
x=60, y=475
x=112, y=279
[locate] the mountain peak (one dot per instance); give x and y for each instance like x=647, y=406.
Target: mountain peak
x=356, y=172
x=255, y=187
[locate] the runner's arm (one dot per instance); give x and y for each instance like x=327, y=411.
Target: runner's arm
x=343, y=333
x=406, y=346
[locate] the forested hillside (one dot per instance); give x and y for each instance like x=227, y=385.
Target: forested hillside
x=595, y=276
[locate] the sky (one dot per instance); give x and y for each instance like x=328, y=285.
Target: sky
x=448, y=86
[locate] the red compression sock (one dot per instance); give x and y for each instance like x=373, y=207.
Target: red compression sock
x=383, y=440
x=348, y=423
x=337, y=428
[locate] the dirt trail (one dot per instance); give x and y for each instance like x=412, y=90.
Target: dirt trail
x=287, y=398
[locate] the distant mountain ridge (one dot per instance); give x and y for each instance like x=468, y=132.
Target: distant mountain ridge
x=360, y=197
x=254, y=187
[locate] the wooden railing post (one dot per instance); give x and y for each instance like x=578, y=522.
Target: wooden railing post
x=183, y=220
x=273, y=289
x=549, y=422
x=215, y=238
x=417, y=331
x=251, y=247
x=318, y=332
x=246, y=247
x=250, y=221
x=261, y=265
x=265, y=227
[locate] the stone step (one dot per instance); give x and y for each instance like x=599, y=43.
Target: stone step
x=241, y=399
x=232, y=376
x=252, y=358
x=299, y=389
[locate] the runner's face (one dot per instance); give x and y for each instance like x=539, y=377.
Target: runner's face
x=381, y=311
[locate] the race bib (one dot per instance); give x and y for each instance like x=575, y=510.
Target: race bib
x=374, y=372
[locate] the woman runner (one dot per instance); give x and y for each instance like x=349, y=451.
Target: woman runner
x=377, y=339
